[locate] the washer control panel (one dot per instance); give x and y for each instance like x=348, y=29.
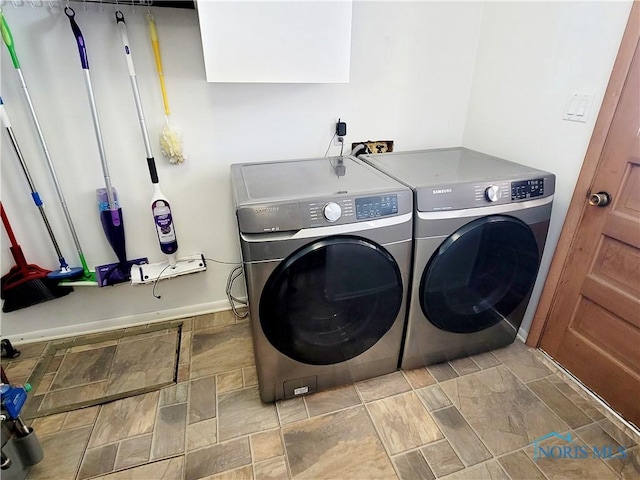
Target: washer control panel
x=527, y=189
x=323, y=211
x=378, y=206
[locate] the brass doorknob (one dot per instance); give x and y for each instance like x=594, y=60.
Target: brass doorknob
x=600, y=199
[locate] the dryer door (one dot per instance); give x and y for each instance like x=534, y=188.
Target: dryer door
x=331, y=300
x=480, y=274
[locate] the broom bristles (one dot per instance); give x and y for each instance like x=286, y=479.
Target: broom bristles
x=31, y=292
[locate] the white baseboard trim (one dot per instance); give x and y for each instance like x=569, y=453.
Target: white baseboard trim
x=121, y=322
x=522, y=335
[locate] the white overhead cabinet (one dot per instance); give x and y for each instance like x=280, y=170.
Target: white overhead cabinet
x=268, y=41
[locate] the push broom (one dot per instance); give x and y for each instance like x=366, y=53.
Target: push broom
x=26, y=284
x=65, y=271
x=160, y=206
x=110, y=212
x=88, y=278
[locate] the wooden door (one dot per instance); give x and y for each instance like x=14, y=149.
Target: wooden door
x=593, y=325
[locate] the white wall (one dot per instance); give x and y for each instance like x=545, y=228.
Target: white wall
x=531, y=58
x=411, y=72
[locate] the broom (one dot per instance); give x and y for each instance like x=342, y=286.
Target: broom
x=26, y=284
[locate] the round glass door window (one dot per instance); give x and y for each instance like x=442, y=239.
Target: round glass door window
x=480, y=274
x=331, y=300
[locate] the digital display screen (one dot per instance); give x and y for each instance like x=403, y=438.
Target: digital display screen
x=372, y=207
x=527, y=189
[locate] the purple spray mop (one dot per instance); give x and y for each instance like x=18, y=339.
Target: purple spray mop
x=110, y=211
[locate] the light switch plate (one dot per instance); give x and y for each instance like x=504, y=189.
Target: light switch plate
x=578, y=108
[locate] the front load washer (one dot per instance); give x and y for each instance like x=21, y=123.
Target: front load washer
x=326, y=248
x=479, y=232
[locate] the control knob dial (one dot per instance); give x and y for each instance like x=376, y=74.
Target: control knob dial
x=332, y=212
x=492, y=193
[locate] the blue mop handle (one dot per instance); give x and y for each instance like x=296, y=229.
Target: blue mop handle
x=82, y=49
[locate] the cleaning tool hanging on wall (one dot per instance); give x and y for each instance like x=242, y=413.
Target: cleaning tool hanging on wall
x=160, y=206
x=171, y=143
x=88, y=278
x=64, y=271
x=26, y=284
x=110, y=211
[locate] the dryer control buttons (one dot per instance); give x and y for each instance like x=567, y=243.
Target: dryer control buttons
x=332, y=212
x=492, y=193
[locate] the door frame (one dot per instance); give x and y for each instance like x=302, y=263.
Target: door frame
x=590, y=167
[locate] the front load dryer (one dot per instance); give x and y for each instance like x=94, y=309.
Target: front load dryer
x=326, y=247
x=480, y=227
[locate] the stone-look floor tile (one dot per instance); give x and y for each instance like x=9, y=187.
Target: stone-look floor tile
x=242, y=412
x=332, y=400
x=567, y=467
x=63, y=452
x=433, y=397
x=187, y=324
x=185, y=347
x=403, y=423
x=217, y=458
x=184, y=373
x=384, y=386
x=412, y=466
x=125, y=418
x=143, y=363
x=266, y=445
x=442, y=371
x=464, y=366
x=54, y=364
x=242, y=473
x=19, y=368
x=202, y=401
x=595, y=435
x=170, y=431
x=291, y=410
x=485, y=360
x=520, y=467
x=98, y=461
x=442, y=459
x=219, y=350
x=49, y=424
x=522, y=361
x=84, y=367
x=272, y=469
x=250, y=376
x=31, y=350
x=45, y=384
x=343, y=444
x=490, y=470
x=144, y=333
x=501, y=410
x=60, y=399
x=81, y=417
x=92, y=346
x=202, y=434
x=174, y=394
x=170, y=469
x=214, y=320
x=419, y=377
x=461, y=437
x=134, y=451
x=585, y=404
x=229, y=381
x=618, y=434
x=561, y=405
x=628, y=467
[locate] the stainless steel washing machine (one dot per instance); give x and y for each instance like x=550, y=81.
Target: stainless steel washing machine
x=326, y=247
x=480, y=227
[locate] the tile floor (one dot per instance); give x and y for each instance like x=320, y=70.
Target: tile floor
x=472, y=418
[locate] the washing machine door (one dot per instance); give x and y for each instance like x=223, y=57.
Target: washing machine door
x=480, y=274
x=331, y=300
